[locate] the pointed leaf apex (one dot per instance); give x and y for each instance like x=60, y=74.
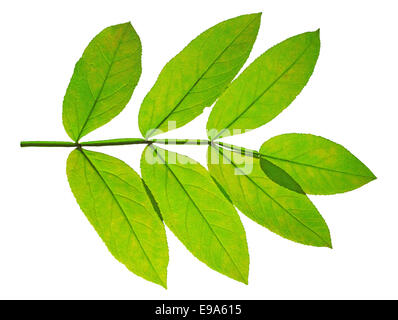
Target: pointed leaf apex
x=164, y=285
x=257, y=15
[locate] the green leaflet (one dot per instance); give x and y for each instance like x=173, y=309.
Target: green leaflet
x=196, y=211
x=287, y=213
x=103, y=80
x=266, y=87
x=319, y=165
x=114, y=200
x=195, y=77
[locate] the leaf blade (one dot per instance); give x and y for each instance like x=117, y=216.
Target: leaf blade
x=319, y=165
x=103, y=80
x=190, y=201
x=195, y=77
x=129, y=226
x=266, y=87
x=286, y=213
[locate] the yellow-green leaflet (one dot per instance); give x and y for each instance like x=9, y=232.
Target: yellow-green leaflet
x=114, y=200
x=266, y=87
x=287, y=213
x=196, y=77
x=319, y=166
x=103, y=80
x=197, y=212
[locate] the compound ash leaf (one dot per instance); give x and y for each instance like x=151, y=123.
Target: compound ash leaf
x=196, y=211
x=197, y=76
x=266, y=87
x=115, y=201
x=319, y=166
x=287, y=213
x=103, y=80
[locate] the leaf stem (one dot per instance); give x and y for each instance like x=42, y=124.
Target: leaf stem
x=130, y=141
x=198, y=142
x=241, y=150
x=48, y=144
x=114, y=142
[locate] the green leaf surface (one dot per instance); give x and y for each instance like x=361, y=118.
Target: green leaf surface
x=196, y=211
x=319, y=166
x=287, y=213
x=103, y=80
x=266, y=87
x=114, y=200
x=196, y=77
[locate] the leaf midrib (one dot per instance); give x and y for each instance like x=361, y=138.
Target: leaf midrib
x=264, y=92
x=200, y=212
x=97, y=99
x=200, y=78
x=124, y=214
x=269, y=196
x=314, y=166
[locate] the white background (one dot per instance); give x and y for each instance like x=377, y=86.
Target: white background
x=48, y=249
